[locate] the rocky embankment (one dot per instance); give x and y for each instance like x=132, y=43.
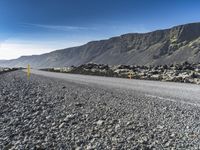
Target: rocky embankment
x=48, y=113
x=4, y=70
x=186, y=72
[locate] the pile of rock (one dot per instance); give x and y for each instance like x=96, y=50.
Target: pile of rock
x=3, y=70
x=59, y=69
x=185, y=72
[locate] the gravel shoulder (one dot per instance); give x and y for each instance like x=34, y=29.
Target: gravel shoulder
x=49, y=113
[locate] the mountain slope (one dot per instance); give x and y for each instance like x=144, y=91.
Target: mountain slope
x=174, y=45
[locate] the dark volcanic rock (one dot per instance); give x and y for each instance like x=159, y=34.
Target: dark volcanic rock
x=185, y=72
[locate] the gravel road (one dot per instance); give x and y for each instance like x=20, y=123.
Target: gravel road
x=51, y=113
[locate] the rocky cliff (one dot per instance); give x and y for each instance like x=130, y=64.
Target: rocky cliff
x=175, y=45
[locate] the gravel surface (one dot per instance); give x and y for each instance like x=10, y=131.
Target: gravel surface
x=48, y=113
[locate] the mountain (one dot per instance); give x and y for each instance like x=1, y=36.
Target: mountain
x=175, y=45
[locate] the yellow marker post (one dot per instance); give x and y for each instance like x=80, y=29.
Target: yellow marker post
x=28, y=71
x=130, y=75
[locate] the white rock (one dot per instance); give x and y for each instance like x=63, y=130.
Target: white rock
x=61, y=125
x=100, y=122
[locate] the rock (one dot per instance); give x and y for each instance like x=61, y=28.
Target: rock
x=117, y=127
x=78, y=148
x=100, y=122
x=143, y=140
x=48, y=117
x=64, y=87
x=69, y=117
x=160, y=126
x=129, y=123
x=61, y=125
x=79, y=104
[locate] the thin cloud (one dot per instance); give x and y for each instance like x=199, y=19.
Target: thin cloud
x=58, y=27
x=131, y=29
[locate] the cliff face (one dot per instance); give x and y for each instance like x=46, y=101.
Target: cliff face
x=174, y=45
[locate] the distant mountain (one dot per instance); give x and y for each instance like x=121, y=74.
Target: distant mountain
x=174, y=45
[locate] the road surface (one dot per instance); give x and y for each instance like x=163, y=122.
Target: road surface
x=170, y=91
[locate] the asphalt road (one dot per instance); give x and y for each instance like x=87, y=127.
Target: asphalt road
x=168, y=91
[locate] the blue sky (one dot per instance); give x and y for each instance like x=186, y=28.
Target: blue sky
x=37, y=26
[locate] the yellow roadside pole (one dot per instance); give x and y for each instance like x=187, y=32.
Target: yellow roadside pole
x=130, y=75
x=28, y=71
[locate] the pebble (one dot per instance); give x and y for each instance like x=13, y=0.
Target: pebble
x=35, y=115
x=61, y=125
x=100, y=122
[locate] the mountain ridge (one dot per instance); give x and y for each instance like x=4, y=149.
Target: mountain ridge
x=174, y=45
